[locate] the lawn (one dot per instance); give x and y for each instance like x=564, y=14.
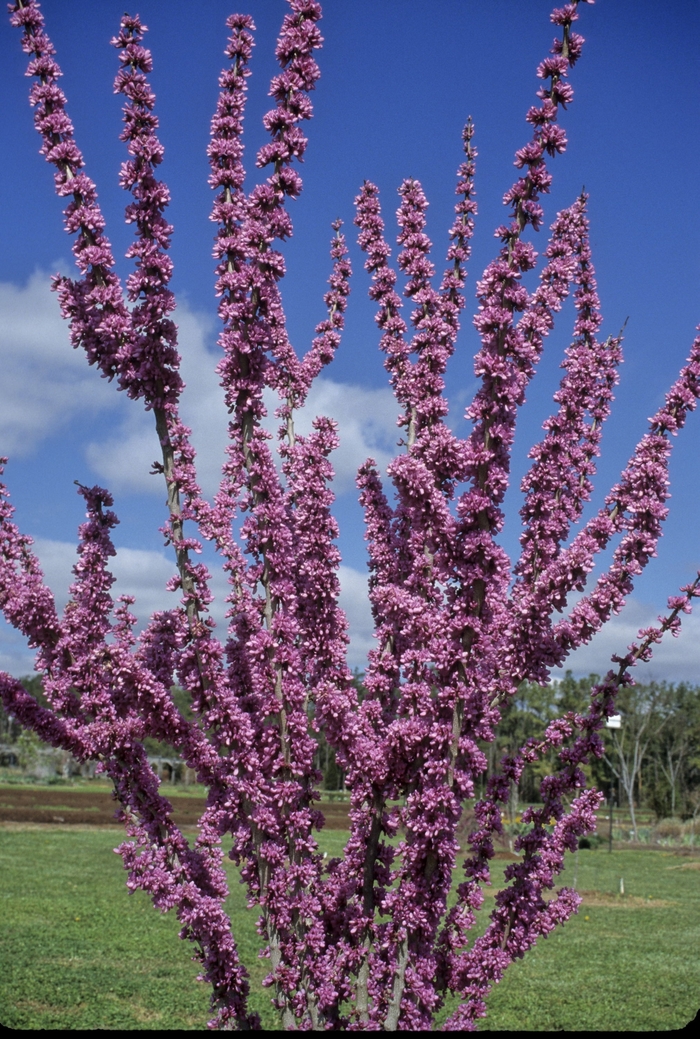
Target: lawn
x=76, y=951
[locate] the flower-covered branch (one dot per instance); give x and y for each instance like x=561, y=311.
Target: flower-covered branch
x=365, y=942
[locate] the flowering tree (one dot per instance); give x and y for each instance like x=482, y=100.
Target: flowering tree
x=368, y=941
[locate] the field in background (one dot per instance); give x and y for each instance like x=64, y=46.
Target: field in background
x=89, y=802
x=78, y=952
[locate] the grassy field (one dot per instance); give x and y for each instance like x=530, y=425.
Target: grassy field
x=78, y=952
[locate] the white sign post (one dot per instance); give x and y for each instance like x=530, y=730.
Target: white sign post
x=613, y=722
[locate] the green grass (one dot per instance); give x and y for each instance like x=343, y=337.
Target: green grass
x=10, y=779
x=76, y=951
x=623, y=963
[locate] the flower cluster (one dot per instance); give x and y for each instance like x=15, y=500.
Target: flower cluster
x=365, y=942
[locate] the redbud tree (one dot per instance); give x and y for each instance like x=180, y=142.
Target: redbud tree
x=367, y=941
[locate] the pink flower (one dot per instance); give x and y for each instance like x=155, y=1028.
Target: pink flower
x=365, y=942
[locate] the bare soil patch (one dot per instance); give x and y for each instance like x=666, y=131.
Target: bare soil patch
x=610, y=901
x=97, y=808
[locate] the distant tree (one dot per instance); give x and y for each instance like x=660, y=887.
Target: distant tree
x=642, y=720
x=524, y=717
x=676, y=746
x=28, y=746
x=10, y=727
x=527, y=716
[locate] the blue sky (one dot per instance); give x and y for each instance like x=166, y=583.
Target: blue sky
x=398, y=81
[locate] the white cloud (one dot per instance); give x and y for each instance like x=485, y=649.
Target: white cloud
x=15, y=658
x=366, y=425
x=674, y=660
x=138, y=572
x=144, y=574
x=141, y=573
x=124, y=460
x=45, y=382
x=354, y=600
x=366, y=422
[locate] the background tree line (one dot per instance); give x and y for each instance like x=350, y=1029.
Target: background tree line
x=652, y=761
